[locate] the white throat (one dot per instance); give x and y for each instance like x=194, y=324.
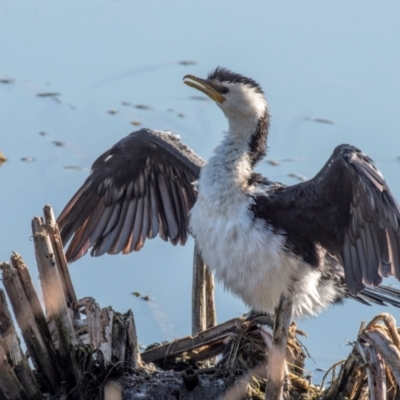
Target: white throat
x=243, y=108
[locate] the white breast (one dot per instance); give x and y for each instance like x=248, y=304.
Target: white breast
x=246, y=254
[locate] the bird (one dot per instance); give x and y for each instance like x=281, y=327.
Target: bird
x=315, y=243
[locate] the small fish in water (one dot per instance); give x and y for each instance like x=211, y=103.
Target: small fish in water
x=136, y=123
x=43, y=133
x=126, y=103
x=58, y=143
x=28, y=159
x=112, y=112
x=181, y=115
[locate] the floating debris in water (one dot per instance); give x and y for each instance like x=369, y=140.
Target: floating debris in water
x=48, y=94
x=58, y=143
x=126, y=103
x=3, y=158
x=28, y=159
x=301, y=178
x=142, y=107
x=112, y=112
x=73, y=167
x=143, y=297
x=6, y=80
x=201, y=98
x=292, y=159
x=136, y=123
x=187, y=62
x=273, y=162
x=278, y=162
x=320, y=120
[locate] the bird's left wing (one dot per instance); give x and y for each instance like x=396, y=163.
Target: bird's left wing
x=141, y=187
x=348, y=209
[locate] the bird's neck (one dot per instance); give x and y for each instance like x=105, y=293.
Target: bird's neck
x=230, y=168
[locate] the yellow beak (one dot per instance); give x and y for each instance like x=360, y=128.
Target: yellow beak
x=204, y=86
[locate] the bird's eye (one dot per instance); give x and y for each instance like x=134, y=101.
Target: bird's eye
x=224, y=90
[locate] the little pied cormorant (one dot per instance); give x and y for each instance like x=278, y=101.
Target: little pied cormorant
x=317, y=242
x=293, y=249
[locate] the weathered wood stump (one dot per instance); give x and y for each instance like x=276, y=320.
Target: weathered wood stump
x=74, y=346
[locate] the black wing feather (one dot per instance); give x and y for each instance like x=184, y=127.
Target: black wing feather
x=141, y=187
x=347, y=209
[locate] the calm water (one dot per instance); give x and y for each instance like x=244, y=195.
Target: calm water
x=314, y=60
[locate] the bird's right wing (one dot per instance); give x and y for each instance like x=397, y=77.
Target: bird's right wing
x=141, y=187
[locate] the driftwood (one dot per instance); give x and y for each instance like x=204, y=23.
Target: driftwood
x=77, y=350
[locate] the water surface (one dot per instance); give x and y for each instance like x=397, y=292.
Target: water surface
x=331, y=75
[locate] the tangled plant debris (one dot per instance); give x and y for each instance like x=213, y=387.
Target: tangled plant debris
x=81, y=351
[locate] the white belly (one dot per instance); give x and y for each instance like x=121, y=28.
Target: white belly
x=250, y=260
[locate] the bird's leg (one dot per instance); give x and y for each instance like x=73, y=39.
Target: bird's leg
x=277, y=354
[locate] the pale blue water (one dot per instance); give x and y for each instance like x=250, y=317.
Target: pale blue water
x=332, y=60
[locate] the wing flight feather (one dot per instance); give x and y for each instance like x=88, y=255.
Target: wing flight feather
x=348, y=209
x=140, y=188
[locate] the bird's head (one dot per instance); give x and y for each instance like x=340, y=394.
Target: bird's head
x=238, y=96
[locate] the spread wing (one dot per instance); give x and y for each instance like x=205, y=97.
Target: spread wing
x=141, y=187
x=348, y=209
